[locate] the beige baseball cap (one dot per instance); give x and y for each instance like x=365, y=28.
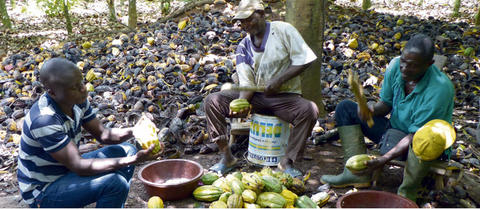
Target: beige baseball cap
x=246, y=8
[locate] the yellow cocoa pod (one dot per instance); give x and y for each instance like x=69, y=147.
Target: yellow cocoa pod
x=90, y=75
x=249, y=196
x=400, y=22
x=151, y=41
x=353, y=43
x=155, y=202
x=87, y=45
x=289, y=196
x=397, y=36
x=89, y=87
x=145, y=133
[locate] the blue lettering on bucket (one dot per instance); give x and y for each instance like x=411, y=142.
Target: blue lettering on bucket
x=267, y=159
x=277, y=130
x=262, y=128
x=267, y=130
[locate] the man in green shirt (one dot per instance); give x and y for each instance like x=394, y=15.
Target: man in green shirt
x=414, y=92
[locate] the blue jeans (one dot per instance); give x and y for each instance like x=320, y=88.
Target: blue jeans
x=346, y=114
x=381, y=133
x=108, y=190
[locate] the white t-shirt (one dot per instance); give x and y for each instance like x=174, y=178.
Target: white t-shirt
x=282, y=46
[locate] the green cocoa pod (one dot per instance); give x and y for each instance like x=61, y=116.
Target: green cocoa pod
x=218, y=204
x=271, y=200
x=468, y=52
x=235, y=201
x=207, y=193
x=305, y=202
x=239, y=104
x=272, y=184
x=209, y=178
x=224, y=197
x=358, y=162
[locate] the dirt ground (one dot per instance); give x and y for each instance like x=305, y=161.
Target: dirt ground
x=324, y=159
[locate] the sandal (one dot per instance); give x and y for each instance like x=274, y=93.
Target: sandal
x=290, y=171
x=222, y=169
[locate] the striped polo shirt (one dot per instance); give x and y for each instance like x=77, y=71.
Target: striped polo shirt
x=46, y=129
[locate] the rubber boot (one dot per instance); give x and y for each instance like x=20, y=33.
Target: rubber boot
x=413, y=174
x=353, y=144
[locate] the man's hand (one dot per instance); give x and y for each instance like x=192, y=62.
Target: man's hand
x=240, y=114
x=372, y=165
x=146, y=155
x=123, y=133
x=272, y=87
x=367, y=114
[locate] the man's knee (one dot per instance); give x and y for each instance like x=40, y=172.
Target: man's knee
x=308, y=110
x=312, y=111
x=117, y=183
x=120, y=150
x=129, y=148
x=344, y=110
x=212, y=99
x=344, y=106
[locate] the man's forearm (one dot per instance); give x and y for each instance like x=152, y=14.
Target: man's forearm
x=380, y=109
x=111, y=136
x=291, y=72
x=400, y=149
x=94, y=166
x=246, y=95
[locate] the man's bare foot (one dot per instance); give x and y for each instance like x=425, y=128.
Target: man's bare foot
x=224, y=166
x=286, y=165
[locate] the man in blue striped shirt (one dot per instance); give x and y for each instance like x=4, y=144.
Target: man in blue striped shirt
x=51, y=171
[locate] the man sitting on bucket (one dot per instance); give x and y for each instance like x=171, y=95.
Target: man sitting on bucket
x=273, y=54
x=414, y=92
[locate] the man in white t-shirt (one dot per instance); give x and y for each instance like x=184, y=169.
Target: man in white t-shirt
x=273, y=54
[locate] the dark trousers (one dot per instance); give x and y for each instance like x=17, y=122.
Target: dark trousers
x=290, y=107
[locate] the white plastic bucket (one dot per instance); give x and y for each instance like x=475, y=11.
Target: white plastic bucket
x=267, y=140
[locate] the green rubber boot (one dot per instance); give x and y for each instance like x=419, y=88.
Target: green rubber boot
x=413, y=174
x=353, y=144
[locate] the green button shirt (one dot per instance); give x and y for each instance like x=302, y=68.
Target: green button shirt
x=431, y=99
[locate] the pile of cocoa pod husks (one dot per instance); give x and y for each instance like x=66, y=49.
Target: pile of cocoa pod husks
x=167, y=69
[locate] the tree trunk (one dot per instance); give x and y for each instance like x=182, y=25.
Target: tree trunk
x=132, y=14
x=67, y=17
x=111, y=8
x=308, y=16
x=366, y=4
x=4, y=15
x=456, y=7
x=477, y=20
